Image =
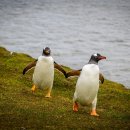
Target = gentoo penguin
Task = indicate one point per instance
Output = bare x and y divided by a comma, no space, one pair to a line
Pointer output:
43,75
88,84
77,73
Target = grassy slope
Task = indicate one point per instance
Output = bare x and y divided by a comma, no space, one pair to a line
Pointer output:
20,109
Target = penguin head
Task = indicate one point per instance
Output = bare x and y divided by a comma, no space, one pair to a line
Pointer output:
95,58
46,51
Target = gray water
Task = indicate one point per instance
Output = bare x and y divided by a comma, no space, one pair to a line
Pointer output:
73,29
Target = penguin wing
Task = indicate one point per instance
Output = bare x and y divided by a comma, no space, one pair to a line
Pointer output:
29,67
74,73
60,68
101,78
77,73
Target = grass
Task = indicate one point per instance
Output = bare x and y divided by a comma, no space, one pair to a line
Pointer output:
22,110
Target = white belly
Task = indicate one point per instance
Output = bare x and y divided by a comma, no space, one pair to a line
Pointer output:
87,85
44,72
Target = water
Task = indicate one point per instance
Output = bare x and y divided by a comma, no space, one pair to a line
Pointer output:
73,29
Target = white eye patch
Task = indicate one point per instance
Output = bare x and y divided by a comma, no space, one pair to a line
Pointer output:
95,54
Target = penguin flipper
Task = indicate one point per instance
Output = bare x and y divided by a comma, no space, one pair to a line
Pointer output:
74,73
77,73
60,68
29,67
101,78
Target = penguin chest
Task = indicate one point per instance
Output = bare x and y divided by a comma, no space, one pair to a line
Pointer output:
88,84
44,73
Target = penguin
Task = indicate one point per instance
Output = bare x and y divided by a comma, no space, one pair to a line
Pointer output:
43,75
87,85
77,73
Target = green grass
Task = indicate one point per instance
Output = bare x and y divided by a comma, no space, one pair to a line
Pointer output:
22,110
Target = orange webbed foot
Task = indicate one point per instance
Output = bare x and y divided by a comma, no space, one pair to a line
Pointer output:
48,95
93,113
33,89
75,107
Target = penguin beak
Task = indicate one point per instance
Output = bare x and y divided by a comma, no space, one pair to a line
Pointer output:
101,57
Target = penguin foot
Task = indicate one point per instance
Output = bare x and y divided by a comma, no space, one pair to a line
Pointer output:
48,95
75,107
33,89
93,113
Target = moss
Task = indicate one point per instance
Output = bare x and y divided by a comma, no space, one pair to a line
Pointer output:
20,109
